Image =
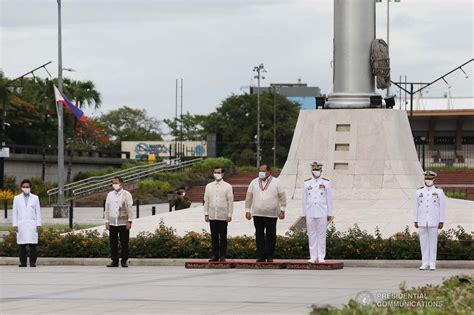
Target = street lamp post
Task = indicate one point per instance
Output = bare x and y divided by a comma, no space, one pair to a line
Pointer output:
423,142
275,90
259,70
388,30
60,115
388,37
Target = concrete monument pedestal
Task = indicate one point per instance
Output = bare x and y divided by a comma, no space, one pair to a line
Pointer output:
368,154
370,157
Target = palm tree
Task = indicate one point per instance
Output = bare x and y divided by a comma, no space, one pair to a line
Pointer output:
81,93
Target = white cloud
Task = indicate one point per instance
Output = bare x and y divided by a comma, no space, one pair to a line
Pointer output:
134,50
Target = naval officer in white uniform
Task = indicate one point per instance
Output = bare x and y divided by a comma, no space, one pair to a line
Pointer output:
317,207
429,211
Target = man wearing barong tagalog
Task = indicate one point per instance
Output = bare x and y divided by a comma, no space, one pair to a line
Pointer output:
317,207
428,216
218,208
266,202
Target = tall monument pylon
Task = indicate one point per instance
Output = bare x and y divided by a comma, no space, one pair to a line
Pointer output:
354,31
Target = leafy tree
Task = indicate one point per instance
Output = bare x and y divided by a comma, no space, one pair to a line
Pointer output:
235,124
29,106
187,127
32,107
31,111
129,124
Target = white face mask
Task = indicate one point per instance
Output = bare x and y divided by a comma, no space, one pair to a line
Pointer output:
26,191
428,182
217,176
316,173
116,186
262,175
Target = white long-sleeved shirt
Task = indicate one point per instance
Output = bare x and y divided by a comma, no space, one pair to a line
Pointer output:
116,201
218,200
429,206
317,198
268,202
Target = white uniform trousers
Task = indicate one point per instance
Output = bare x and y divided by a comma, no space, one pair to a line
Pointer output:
428,243
317,237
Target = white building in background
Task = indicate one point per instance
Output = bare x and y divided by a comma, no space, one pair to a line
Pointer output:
142,150
435,103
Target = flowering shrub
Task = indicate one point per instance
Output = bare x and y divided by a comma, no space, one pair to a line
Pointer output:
453,244
454,296
6,195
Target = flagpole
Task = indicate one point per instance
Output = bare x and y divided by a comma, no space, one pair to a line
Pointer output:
60,115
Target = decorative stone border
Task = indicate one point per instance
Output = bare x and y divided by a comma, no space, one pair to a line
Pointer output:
238,264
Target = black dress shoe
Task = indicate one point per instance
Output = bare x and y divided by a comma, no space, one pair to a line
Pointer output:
32,265
21,265
269,259
213,259
112,264
260,260
125,265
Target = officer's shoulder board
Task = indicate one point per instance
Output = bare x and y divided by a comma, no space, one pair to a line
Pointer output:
420,187
326,179
439,188
307,179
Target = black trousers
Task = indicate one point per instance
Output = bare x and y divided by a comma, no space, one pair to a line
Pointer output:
265,236
33,253
114,233
219,238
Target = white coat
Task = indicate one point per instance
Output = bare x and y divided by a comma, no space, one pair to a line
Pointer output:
429,207
27,217
317,198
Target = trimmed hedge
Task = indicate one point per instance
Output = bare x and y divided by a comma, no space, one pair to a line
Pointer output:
107,170
454,244
456,195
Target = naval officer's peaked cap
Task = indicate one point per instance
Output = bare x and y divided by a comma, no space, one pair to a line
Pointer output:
430,174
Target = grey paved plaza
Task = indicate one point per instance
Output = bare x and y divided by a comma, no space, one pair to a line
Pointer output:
88,215
175,290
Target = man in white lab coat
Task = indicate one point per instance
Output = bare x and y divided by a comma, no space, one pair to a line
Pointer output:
429,211
317,207
27,222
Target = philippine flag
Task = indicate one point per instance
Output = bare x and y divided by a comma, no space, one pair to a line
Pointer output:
62,99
